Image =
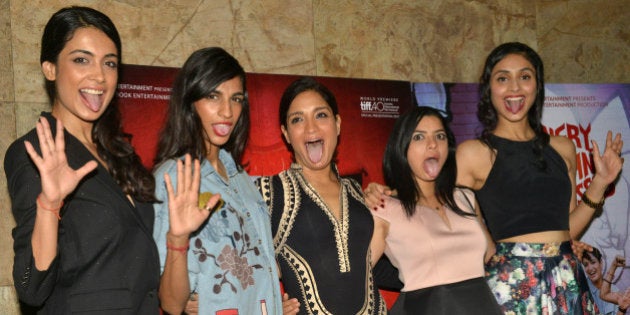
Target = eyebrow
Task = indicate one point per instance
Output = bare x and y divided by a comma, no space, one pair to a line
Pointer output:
520,70
87,52
326,107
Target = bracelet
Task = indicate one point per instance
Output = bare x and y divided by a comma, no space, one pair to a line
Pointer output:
606,280
623,310
587,201
182,249
53,210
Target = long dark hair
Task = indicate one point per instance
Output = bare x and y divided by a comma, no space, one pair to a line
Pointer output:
183,132
398,173
487,114
112,143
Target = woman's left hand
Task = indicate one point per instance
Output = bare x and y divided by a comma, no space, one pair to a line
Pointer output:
608,165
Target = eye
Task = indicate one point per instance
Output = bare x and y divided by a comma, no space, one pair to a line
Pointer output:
417,137
295,120
441,136
238,99
321,115
213,96
526,77
502,79
112,64
80,60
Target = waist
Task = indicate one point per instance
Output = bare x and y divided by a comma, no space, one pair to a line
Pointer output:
539,237
551,249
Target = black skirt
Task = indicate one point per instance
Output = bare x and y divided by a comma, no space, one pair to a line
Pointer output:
469,297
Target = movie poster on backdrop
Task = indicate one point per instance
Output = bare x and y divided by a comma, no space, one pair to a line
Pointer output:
582,112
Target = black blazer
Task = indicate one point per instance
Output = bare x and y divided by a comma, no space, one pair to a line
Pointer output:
106,260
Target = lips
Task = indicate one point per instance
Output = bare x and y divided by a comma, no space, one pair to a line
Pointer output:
93,98
514,104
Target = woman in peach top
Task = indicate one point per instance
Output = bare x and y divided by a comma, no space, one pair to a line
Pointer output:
431,231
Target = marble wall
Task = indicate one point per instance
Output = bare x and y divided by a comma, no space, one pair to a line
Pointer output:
581,41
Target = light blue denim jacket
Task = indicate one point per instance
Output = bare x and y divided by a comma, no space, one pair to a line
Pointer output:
231,262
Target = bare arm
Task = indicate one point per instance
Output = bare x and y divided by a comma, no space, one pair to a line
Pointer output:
605,292
377,244
185,217
607,168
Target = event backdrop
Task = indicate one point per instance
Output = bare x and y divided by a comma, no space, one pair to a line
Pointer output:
368,109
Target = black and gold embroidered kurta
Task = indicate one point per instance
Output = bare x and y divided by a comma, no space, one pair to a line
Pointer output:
325,262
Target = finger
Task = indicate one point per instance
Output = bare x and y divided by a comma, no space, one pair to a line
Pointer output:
60,144
43,144
212,202
180,177
33,154
86,169
169,186
196,180
595,150
187,172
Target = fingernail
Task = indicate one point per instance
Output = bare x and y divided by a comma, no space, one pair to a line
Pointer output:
382,200
375,209
382,205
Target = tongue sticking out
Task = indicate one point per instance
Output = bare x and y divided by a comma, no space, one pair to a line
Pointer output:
431,167
315,151
514,105
221,130
93,101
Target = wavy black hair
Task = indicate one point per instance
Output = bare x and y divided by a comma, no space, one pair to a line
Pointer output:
487,114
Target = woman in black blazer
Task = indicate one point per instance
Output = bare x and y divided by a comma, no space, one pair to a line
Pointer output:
81,198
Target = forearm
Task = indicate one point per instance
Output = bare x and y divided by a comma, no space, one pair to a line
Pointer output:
582,215
174,284
45,231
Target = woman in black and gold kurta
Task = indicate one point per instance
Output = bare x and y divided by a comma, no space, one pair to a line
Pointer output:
321,226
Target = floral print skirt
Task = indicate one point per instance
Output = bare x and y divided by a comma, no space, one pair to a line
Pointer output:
539,278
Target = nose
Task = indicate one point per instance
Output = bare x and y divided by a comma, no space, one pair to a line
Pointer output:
226,110
431,143
514,85
98,73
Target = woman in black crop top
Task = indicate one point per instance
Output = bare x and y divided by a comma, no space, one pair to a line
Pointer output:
525,184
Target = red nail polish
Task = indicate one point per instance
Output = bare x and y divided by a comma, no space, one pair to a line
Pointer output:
375,209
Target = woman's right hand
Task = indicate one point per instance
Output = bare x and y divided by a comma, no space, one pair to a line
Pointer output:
374,195
185,216
58,178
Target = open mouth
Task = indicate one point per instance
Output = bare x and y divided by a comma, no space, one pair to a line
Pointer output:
315,150
93,98
514,104
431,166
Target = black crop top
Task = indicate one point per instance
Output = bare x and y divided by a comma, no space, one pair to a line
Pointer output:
519,198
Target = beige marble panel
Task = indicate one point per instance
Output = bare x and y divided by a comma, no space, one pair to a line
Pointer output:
7,136
265,36
8,301
585,41
27,114
421,40
6,64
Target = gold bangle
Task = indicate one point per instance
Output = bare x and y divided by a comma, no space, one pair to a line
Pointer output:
587,201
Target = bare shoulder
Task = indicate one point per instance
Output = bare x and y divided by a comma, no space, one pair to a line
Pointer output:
474,161
564,146
472,150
